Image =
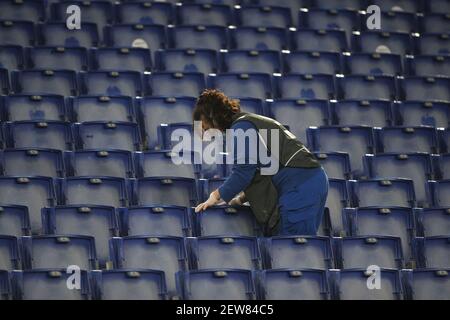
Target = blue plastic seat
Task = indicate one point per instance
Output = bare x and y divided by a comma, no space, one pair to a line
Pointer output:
101,108
199,37
122,59
428,65
99,12
434,252
312,62
360,87
444,139
375,113
243,85
30,10
433,44
5,285
161,164
336,164
204,14
33,107
60,82
32,162
187,60
14,220
152,37
417,113
306,86
11,57
427,284
252,105
57,34
441,192
70,58
10,258
435,23
426,88
266,61
176,84
345,4
374,64
145,12
21,33
433,222
412,6
442,169
294,6
4,81
438,6
112,83
319,40
384,42
264,16
260,38
397,21
407,139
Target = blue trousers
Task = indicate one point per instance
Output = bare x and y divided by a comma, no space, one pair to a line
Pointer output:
302,208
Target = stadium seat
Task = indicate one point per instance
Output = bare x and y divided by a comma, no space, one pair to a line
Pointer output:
32,162
417,113
51,58
312,62
426,88
103,191
433,222
205,14
433,252
11,57
294,6
336,164
60,82
56,251
319,40
161,164
298,115
266,61
259,38
427,284
33,11
217,284
21,33
129,284
441,193
344,4
374,64
145,12
99,12
5,285
438,6
122,59
151,37
189,60
306,86
14,220
397,21
435,23
9,253
383,42
375,113
252,105
152,252
166,191
243,85
433,44
338,199
173,133
264,16
428,65
298,252
199,37
109,135
33,107
414,166
155,220
361,87
4,81
443,167
412,6
390,193
49,284
155,112
101,108
352,285
57,34
444,138
99,222
111,83
293,284
364,251
407,139
177,84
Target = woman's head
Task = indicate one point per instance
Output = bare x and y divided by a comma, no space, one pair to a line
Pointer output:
215,110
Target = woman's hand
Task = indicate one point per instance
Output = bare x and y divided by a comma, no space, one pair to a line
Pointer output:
213,199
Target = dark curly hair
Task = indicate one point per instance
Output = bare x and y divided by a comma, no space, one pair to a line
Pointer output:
216,108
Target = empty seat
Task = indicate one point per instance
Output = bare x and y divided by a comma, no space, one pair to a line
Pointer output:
155,112
21,33
112,83
55,251
30,10
108,135
9,253
161,164
306,86
438,6
204,14
187,60
130,284
441,193
122,59
427,284
390,193
417,113
266,61
166,191
101,108
433,44
227,221
347,20
360,87
298,252
443,167
151,37
375,113
11,57
407,139
298,115
99,12
218,284
374,64
433,222
429,66
414,166
352,285
345,4
4,81
264,16
260,38
252,105
319,40
397,21
57,34
362,252
37,134
384,42
176,84
32,162
33,107
293,284
436,23
312,62
70,58
152,252
107,163
444,139
50,284
434,252
338,199
227,2
145,12
97,221
412,6
356,141
336,164
14,220
104,191
426,89
155,220
60,82
243,85
5,285
199,37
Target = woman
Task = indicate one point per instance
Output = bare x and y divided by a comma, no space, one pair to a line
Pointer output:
289,202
